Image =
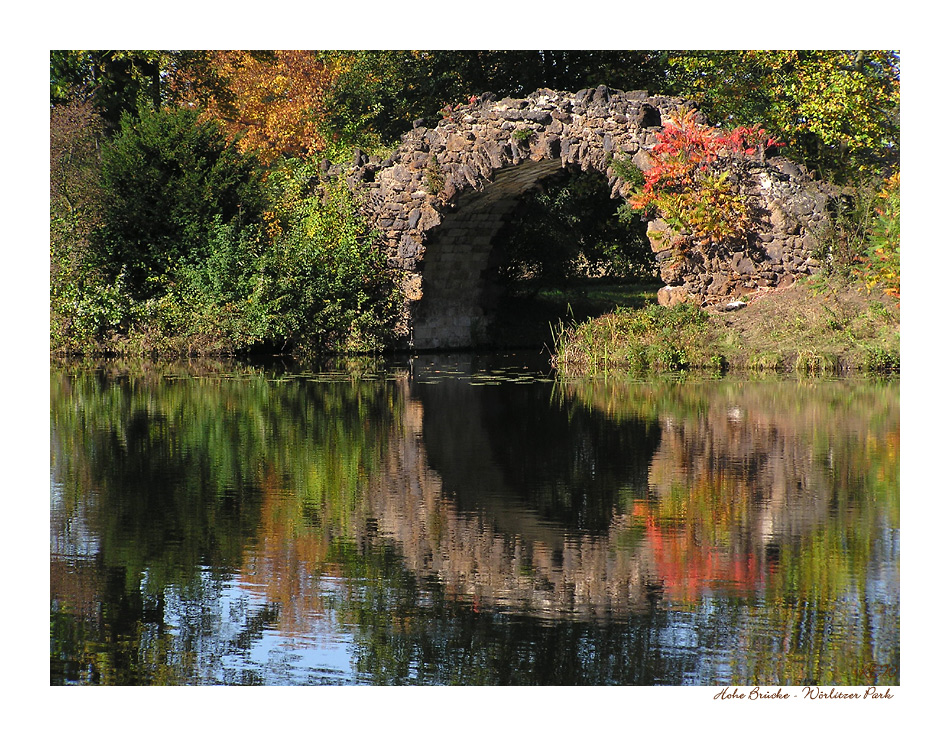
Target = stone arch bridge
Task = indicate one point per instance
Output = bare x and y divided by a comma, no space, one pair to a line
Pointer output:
441,197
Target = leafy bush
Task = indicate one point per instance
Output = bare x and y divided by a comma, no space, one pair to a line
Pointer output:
325,284
87,310
182,257
883,252
214,305
313,282
881,361
862,239
168,181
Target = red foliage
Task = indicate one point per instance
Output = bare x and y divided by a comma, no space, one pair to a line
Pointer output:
685,183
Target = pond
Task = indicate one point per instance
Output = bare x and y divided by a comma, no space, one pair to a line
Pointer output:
470,519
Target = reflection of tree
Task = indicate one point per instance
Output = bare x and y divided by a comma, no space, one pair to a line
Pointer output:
165,471
788,496
749,469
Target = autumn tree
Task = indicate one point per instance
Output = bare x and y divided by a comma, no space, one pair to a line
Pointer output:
270,103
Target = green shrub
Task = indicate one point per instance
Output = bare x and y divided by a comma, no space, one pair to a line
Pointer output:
87,310
863,238
881,361
215,303
325,281
204,269
628,171
169,181
315,283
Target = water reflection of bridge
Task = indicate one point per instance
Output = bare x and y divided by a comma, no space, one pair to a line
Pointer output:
504,557
582,503
708,503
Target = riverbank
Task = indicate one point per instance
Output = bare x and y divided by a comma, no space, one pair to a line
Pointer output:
815,327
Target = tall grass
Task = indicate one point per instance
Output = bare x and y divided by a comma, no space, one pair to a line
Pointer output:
655,337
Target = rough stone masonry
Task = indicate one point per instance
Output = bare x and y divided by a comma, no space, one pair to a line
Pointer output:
441,197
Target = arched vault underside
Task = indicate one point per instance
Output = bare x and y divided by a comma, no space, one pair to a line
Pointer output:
441,197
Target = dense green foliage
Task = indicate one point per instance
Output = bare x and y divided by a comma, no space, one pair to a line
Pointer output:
117,81
170,182
883,252
167,238
838,110
327,284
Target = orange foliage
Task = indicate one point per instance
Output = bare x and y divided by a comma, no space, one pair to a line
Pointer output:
270,103
286,563
689,566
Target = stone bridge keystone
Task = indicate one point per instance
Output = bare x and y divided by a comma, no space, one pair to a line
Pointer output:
441,197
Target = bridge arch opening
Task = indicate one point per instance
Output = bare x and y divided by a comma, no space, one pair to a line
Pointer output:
571,249
508,259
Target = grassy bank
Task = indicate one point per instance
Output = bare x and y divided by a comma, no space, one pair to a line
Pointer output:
812,327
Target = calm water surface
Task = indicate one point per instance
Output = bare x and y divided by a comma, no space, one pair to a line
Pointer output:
470,520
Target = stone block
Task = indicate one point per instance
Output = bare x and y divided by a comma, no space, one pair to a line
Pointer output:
660,235
647,116
670,296
775,252
745,266
543,117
